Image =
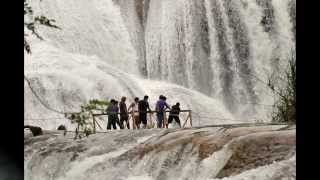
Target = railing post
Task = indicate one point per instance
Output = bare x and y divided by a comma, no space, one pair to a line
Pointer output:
150,119
164,119
94,123
190,112
185,122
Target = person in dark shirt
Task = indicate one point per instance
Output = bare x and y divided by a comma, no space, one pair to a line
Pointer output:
124,113
174,114
143,107
116,110
112,111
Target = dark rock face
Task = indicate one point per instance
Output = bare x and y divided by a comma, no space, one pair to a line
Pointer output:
259,150
62,127
36,131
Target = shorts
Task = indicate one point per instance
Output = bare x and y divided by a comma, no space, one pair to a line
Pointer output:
143,118
123,117
176,118
136,120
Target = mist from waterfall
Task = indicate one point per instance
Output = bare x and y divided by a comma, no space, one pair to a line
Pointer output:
210,55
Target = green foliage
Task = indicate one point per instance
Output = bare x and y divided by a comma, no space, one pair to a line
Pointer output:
32,22
84,118
285,106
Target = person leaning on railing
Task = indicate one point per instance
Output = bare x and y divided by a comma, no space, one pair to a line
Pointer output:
161,106
174,114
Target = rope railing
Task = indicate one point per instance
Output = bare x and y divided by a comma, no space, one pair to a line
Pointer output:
216,125
222,118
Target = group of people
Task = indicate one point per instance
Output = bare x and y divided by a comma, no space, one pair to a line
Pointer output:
139,109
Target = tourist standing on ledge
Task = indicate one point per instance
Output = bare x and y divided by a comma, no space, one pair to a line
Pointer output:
112,111
143,107
124,113
135,113
116,110
161,106
174,114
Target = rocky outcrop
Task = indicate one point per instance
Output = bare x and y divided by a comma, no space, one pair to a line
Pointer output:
259,149
188,154
36,131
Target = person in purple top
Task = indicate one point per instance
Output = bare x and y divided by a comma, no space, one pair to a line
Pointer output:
161,105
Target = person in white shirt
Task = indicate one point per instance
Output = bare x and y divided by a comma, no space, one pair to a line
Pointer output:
135,113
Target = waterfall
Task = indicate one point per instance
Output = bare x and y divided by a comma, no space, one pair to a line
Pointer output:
210,55
220,47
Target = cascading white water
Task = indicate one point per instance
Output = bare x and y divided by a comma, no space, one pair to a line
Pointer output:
219,47
206,54
155,154
209,55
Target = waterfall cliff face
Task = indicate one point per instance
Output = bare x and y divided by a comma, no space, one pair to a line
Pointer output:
207,54
264,153
219,47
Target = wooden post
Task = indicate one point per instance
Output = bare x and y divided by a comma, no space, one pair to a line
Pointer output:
185,122
165,121
150,120
77,132
190,112
94,123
